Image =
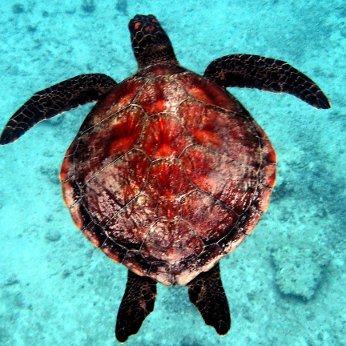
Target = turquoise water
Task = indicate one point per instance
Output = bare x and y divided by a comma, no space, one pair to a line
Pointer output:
285,283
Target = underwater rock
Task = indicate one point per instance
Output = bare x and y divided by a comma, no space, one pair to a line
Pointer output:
88,6
53,236
10,281
283,190
51,173
298,270
121,6
18,8
54,122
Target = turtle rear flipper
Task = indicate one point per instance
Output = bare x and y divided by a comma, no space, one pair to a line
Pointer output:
137,303
254,71
207,293
56,99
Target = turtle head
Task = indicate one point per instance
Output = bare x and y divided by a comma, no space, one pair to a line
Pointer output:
150,43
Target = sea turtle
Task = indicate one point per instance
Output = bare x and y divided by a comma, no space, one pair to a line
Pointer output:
169,172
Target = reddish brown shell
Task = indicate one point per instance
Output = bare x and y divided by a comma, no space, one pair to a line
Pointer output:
167,174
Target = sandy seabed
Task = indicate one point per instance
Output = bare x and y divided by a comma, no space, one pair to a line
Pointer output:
285,284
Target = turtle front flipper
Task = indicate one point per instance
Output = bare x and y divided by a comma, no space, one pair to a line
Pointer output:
56,99
137,303
207,293
254,71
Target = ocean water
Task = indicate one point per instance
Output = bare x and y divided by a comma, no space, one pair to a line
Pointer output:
285,283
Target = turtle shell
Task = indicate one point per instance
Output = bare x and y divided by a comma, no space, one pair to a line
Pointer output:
168,174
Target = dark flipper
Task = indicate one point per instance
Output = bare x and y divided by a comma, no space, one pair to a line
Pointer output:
137,303
207,293
254,71
54,100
